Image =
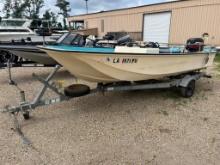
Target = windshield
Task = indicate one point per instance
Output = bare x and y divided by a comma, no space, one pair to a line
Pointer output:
73,39
69,39
62,37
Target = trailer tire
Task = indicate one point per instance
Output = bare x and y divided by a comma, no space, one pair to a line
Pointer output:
189,90
76,90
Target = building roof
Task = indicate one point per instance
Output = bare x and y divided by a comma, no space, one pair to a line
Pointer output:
154,4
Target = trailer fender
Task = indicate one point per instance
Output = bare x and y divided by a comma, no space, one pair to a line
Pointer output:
186,80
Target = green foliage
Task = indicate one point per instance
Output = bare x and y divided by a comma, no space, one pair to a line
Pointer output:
34,24
64,7
217,58
23,8
7,8
51,17
18,8
33,8
59,25
47,15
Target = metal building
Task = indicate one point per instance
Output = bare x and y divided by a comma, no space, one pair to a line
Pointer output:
170,22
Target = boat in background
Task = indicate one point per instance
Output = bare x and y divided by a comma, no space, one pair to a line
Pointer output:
123,63
29,51
18,29
14,32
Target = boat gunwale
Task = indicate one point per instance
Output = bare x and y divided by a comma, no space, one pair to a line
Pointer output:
122,53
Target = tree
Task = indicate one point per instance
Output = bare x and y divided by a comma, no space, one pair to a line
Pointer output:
64,7
53,19
7,8
18,8
47,15
33,8
37,5
59,25
23,8
14,8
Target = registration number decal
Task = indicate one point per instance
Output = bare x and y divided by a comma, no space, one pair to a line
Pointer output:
123,60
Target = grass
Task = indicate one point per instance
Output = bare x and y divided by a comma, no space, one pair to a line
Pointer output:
217,61
217,58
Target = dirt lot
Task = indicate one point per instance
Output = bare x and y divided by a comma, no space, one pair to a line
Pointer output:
141,127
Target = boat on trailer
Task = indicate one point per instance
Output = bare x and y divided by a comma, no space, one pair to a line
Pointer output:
123,63
122,68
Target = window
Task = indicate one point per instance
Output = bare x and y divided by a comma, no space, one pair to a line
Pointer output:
102,26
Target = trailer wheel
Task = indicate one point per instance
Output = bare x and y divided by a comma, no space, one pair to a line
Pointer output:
189,90
76,90
26,115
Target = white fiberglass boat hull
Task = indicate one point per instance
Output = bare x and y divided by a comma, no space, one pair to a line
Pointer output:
113,67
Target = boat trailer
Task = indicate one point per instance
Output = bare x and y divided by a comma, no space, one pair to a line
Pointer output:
186,84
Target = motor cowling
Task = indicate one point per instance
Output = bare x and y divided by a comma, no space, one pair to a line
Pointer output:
195,44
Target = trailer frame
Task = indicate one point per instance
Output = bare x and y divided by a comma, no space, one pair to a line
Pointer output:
180,81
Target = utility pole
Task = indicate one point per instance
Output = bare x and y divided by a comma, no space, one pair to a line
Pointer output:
87,9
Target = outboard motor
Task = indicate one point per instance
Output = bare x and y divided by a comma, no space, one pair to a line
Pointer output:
195,44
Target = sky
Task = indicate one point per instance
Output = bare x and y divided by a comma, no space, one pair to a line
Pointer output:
78,6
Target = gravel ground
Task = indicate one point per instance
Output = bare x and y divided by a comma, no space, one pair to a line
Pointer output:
142,127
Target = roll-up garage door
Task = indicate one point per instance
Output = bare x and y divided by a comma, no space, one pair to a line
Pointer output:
157,27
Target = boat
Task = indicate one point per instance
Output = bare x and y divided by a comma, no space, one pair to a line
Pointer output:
29,50
14,29
15,32
123,63
18,29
